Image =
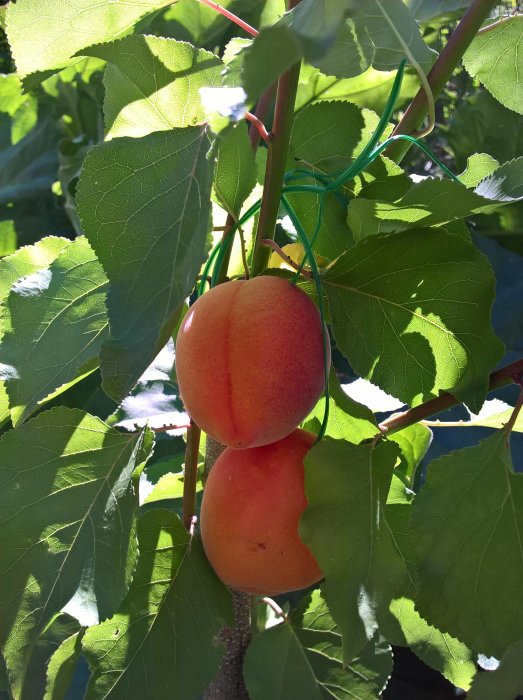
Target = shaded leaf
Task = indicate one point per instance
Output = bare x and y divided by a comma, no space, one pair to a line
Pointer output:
480,124
145,207
153,84
344,525
375,34
366,675
426,10
467,528
494,57
405,290
172,585
506,682
67,524
62,666
291,676
54,324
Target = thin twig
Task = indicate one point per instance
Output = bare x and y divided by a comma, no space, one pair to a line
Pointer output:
230,15
272,244
259,126
274,607
518,379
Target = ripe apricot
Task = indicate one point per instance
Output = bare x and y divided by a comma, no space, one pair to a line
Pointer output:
249,360
251,508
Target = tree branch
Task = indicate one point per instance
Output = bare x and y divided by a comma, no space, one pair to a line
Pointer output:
501,377
440,73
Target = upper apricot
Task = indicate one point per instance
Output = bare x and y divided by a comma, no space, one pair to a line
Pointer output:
249,360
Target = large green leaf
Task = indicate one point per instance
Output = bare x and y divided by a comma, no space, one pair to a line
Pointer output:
412,319
153,84
54,324
67,521
495,59
467,529
45,35
345,527
377,34
163,641
145,208
506,682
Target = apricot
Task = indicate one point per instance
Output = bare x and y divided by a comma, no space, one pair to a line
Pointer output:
251,508
249,360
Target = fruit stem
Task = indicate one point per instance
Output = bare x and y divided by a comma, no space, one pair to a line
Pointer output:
190,475
230,15
441,71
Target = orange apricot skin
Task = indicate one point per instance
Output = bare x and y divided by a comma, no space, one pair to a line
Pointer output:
249,360
251,508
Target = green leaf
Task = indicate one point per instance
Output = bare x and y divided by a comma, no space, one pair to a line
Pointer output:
235,169
145,208
481,124
61,627
440,651
348,419
393,301
479,166
370,89
25,261
433,202
170,620
67,524
305,660
413,441
506,682
45,36
376,35
366,675
495,59
21,108
54,324
290,676
62,667
467,529
345,527
153,84
398,512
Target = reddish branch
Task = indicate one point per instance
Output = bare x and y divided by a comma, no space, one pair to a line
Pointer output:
501,377
230,15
